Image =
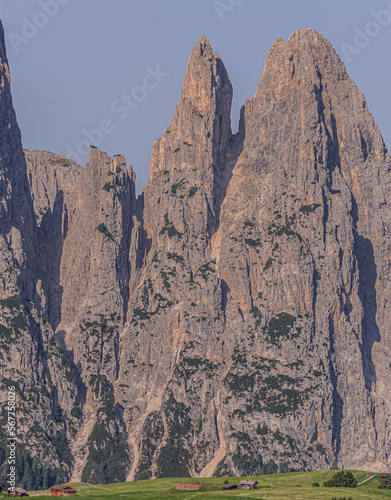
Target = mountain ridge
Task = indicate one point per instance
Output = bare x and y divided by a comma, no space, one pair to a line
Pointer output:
232,319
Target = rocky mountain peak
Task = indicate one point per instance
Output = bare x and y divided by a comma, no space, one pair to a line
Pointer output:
4,68
100,164
16,206
201,120
203,48
307,58
234,319
311,36
206,78
305,83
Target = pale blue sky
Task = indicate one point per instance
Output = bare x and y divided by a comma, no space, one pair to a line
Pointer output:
70,73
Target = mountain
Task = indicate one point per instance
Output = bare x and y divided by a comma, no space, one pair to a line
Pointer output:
25,363
232,319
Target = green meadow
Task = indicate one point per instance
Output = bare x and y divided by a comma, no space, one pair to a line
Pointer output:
294,485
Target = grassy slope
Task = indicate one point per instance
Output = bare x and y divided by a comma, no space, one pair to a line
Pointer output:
295,486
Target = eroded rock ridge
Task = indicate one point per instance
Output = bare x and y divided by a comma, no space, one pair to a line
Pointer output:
233,318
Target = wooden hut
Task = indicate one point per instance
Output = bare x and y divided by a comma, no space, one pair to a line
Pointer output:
69,492
247,484
18,492
63,490
226,487
56,490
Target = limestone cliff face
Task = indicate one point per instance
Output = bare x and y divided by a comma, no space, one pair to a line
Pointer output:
95,272
190,162
307,213
232,319
85,267
53,183
190,169
106,195
262,315
26,361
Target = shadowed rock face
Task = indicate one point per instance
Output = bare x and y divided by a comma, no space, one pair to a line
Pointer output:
25,336
53,183
233,319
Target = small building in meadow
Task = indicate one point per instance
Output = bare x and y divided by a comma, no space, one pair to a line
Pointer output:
56,490
63,490
247,484
18,492
226,487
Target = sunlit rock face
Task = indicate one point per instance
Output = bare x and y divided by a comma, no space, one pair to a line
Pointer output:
233,318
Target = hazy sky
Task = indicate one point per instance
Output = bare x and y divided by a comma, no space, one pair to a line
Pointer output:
75,62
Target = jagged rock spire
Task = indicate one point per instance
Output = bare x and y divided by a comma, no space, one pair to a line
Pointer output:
15,206
96,248
305,83
202,116
308,183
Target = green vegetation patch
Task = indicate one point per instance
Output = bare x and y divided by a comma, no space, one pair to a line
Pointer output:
152,433
248,223
240,383
342,479
103,229
257,315
99,384
108,455
170,229
19,323
32,474
178,185
253,243
292,485
307,209
205,271
280,229
174,456
188,366
385,481
177,258
284,401
280,327
11,303
6,334
107,187
247,458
